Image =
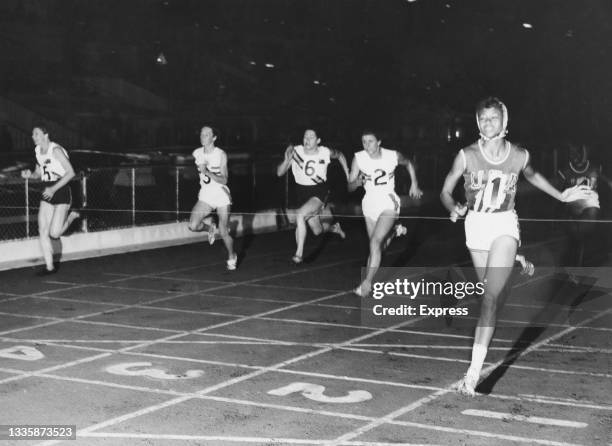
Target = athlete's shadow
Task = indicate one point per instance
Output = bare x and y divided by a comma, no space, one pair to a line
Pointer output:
249,230
563,294
248,234
58,251
423,242
414,239
322,243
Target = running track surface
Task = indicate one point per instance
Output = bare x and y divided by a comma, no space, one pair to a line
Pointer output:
165,347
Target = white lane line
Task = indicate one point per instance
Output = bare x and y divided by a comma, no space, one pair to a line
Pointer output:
306,410
196,395
138,276
584,404
521,397
444,335
405,355
542,324
71,379
30,316
511,323
227,383
147,342
298,410
206,438
586,327
350,416
150,342
206,284
206,294
119,307
423,346
584,349
561,371
485,434
190,294
260,440
118,274
563,309
375,443
78,319
282,364
272,342
415,405
192,280
153,408
57,282
230,382
27,374
553,349
293,287
140,341
523,418
444,358
131,288
69,301
530,395
175,401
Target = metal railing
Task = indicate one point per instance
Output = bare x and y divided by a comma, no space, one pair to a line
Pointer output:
136,195
145,194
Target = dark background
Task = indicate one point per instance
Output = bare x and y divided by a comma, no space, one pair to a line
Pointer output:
412,69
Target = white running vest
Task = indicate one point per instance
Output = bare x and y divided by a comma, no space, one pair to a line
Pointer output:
381,171
213,163
50,167
309,170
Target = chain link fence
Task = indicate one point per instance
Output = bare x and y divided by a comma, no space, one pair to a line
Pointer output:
138,195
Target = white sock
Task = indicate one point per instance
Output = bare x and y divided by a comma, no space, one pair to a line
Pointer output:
479,353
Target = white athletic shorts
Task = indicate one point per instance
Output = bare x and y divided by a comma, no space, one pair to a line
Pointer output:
482,228
373,205
216,197
578,206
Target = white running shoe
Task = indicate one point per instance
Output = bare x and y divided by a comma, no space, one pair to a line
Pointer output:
232,262
362,290
468,384
337,229
528,268
400,230
212,230
72,216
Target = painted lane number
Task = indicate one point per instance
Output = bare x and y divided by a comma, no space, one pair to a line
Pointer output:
145,369
315,392
21,352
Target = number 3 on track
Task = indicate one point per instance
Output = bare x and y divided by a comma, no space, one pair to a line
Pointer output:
315,392
145,369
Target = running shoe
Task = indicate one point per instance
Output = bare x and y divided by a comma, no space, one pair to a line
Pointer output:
468,384
527,268
232,262
212,230
400,230
337,229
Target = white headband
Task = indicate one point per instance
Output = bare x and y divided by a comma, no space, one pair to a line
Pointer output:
504,130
